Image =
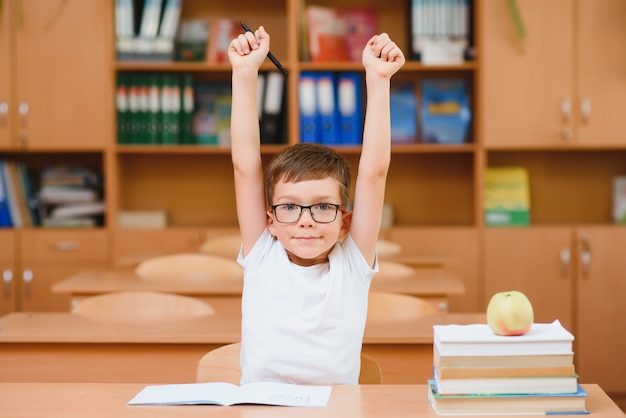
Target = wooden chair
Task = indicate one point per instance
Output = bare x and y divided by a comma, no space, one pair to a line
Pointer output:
222,365
392,270
386,249
226,246
389,307
142,307
189,266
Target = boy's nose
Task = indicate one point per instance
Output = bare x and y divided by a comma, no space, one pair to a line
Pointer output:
306,218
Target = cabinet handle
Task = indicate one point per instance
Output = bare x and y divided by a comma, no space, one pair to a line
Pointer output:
566,110
585,256
66,246
585,109
4,114
7,278
27,278
565,260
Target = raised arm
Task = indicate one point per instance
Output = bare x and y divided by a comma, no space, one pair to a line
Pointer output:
246,53
381,59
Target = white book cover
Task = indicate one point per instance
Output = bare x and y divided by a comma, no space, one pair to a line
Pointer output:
222,393
480,340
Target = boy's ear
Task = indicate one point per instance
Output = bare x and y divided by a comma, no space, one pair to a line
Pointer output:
270,222
346,221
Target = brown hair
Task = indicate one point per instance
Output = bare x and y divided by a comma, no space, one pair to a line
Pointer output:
308,161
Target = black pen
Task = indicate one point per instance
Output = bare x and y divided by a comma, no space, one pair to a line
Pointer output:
269,54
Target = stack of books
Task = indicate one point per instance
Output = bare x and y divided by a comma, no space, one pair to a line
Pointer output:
478,372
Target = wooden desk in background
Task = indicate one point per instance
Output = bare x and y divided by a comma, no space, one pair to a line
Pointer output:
433,285
94,400
63,347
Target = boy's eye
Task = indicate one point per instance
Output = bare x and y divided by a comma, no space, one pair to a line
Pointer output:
322,206
290,206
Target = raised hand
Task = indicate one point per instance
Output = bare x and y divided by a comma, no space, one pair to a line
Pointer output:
249,50
382,56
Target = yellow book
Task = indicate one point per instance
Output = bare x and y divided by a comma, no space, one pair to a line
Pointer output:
507,196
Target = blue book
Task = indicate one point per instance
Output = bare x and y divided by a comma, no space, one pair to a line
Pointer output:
403,104
445,110
327,108
5,215
307,107
350,108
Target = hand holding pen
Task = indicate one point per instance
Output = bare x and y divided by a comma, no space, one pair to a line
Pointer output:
269,53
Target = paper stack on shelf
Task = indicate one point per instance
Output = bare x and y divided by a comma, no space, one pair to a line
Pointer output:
478,372
70,196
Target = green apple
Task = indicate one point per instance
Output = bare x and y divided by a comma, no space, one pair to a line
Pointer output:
510,313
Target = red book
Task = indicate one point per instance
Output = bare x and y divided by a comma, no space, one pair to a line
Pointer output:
327,35
361,25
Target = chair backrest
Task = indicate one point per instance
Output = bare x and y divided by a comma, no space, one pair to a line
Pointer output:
189,266
386,249
391,270
386,307
225,245
222,365
142,307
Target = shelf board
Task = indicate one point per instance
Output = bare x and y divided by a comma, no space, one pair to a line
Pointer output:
273,149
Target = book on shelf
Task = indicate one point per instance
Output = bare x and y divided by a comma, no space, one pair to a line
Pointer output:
77,210
327,34
506,197
506,385
480,340
5,213
445,110
619,199
361,24
521,404
221,33
440,31
525,360
209,114
403,106
221,393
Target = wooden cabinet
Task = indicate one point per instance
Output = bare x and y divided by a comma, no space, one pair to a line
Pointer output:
537,261
566,86
8,269
49,256
600,310
576,275
56,58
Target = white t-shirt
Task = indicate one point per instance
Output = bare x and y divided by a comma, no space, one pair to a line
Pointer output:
303,325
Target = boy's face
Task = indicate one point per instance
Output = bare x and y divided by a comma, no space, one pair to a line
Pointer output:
308,242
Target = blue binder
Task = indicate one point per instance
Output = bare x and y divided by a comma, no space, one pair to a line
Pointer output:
5,215
307,100
350,108
327,108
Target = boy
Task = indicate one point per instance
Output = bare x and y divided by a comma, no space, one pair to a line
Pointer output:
307,261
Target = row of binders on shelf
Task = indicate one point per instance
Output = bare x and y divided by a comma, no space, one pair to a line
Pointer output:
174,109
476,372
331,109
62,196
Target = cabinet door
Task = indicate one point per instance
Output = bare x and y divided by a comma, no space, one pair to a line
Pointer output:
64,83
523,91
7,271
601,332
536,261
601,63
5,81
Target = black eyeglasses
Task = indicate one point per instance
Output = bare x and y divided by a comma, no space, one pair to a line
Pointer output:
323,213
